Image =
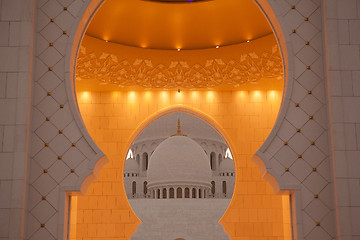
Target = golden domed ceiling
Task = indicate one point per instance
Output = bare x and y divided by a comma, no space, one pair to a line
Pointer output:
174,25
134,44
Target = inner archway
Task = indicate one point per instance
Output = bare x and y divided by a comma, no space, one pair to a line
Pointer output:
177,143
245,111
254,197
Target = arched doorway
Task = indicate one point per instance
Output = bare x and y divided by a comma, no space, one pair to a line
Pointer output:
294,28
248,190
250,95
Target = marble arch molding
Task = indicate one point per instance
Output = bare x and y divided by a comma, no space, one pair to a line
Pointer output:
301,130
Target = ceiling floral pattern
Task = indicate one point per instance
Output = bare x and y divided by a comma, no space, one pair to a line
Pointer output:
246,68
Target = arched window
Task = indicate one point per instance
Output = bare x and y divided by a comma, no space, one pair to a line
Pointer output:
179,192
153,193
130,154
187,193
133,187
145,188
224,187
171,193
193,193
145,161
213,161
228,153
164,193
200,195
158,193
213,187
219,158
138,159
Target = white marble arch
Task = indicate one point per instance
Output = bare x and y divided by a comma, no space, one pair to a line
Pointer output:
296,90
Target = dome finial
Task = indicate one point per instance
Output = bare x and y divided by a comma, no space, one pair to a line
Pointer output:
179,130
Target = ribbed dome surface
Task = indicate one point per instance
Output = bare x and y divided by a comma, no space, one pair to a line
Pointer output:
131,166
179,160
227,166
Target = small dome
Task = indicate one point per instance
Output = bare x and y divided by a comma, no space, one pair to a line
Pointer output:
227,166
131,166
179,160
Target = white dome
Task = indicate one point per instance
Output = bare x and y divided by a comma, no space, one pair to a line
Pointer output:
179,160
193,126
131,166
227,166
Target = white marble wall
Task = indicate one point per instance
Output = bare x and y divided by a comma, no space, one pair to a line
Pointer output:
343,37
15,80
342,33
297,152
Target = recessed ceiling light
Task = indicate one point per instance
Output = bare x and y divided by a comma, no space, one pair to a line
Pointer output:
217,46
177,1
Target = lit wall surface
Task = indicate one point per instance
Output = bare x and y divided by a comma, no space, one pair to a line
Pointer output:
245,116
121,89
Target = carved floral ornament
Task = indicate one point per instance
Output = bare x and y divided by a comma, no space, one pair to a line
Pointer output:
247,68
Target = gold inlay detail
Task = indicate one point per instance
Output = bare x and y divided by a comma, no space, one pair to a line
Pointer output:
247,68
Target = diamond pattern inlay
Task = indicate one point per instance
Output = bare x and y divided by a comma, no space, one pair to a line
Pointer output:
43,211
44,184
300,169
280,156
49,81
317,210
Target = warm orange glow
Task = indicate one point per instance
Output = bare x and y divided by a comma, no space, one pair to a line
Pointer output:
106,39
210,96
73,218
255,212
114,96
194,95
161,61
257,96
85,96
164,97
132,97
241,95
179,96
245,116
272,95
148,95
164,26
286,217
